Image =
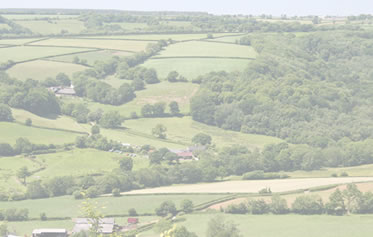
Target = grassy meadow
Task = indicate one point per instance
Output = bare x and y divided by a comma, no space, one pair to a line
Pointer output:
92,57
42,69
191,68
25,53
183,129
155,37
14,131
125,45
18,41
53,26
208,49
145,204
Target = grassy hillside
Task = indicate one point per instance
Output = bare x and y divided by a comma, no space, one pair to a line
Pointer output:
191,68
208,49
183,129
126,45
42,69
24,53
53,26
14,131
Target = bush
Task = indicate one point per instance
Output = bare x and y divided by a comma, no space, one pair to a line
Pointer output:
116,192
166,207
258,175
43,216
78,195
344,174
334,175
132,212
237,209
186,206
259,207
28,122
308,205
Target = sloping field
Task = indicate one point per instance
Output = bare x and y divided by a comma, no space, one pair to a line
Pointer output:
183,129
113,205
126,45
208,49
61,122
4,26
42,69
77,162
8,168
191,68
12,131
228,39
17,41
53,26
36,16
284,225
249,186
358,171
176,37
92,57
24,53
161,92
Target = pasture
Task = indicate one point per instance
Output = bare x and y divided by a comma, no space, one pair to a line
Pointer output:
14,131
92,57
17,41
191,68
77,162
183,129
284,225
356,171
175,37
251,186
207,49
161,92
125,45
60,122
53,27
18,17
42,69
228,39
144,205
25,53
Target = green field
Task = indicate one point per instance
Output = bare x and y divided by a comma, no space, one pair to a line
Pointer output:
24,53
208,49
14,131
161,92
61,122
25,228
54,26
128,26
357,171
284,225
42,69
175,37
191,68
36,16
92,57
9,167
183,129
228,39
17,41
125,45
145,204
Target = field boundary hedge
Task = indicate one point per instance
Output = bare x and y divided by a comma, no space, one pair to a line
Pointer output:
203,57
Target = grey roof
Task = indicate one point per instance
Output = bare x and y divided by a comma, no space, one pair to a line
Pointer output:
66,91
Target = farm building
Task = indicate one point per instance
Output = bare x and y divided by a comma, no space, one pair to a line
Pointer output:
63,91
50,233
106,225
132,221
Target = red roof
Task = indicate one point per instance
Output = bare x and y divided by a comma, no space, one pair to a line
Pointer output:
133,220
185,154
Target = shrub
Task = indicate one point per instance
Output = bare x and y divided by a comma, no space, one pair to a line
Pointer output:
258,175
132,212
116,192
308,205
43,216
186,206
259,207
78,195
237,209
344,174
28,122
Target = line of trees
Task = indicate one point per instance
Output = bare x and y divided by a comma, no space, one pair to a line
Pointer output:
350,200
